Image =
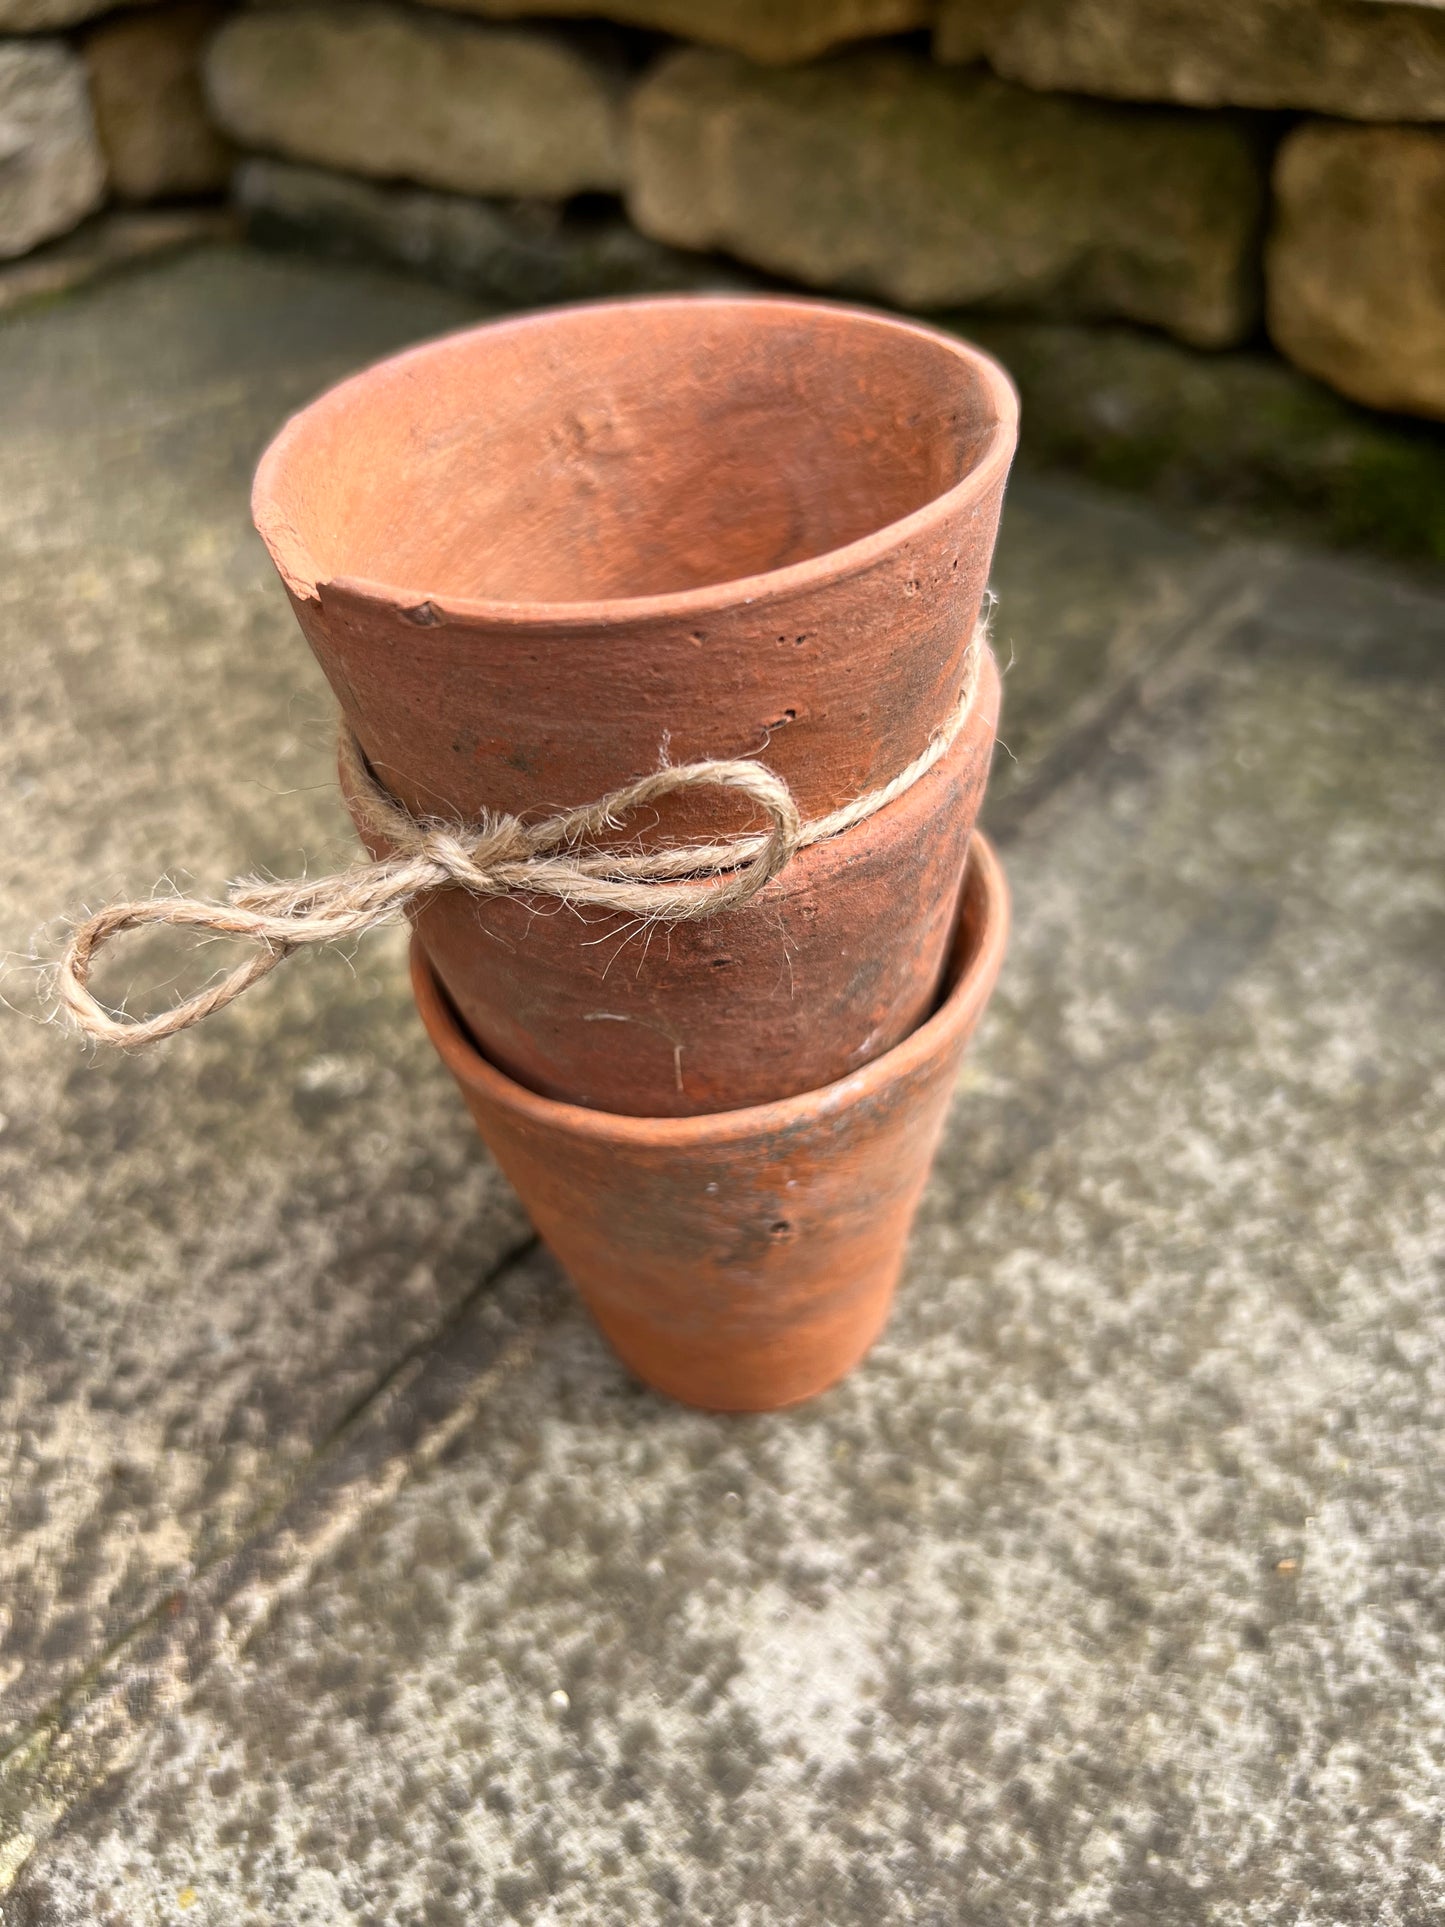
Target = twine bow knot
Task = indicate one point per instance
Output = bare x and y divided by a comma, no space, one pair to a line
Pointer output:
497,855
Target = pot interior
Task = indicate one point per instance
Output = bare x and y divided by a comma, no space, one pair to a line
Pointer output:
625,450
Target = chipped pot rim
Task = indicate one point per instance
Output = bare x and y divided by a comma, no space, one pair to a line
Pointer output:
293,559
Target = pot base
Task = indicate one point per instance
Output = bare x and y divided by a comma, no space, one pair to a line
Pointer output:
745,1260
720,1375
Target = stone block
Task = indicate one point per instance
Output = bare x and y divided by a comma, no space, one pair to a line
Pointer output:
180,1332
51,170
401,93
882,175
1356,263
115,239
1381,62
150,111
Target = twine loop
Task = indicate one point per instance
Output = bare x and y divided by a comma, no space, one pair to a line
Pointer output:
558,856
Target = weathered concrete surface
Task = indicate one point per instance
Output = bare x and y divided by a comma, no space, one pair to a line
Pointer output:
1109,1590
214,1255
150,111
31,16
208,1254
1241,438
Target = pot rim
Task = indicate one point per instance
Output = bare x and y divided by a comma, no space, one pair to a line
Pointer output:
290,554
978,947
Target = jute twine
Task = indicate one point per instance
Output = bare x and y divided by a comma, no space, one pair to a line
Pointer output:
495,856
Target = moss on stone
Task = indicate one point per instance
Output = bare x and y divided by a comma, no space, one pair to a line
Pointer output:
1242,433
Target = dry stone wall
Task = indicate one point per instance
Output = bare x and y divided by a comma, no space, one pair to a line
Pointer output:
1272,170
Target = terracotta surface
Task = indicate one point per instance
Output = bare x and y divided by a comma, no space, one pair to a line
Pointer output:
534,556
744,1261
834,962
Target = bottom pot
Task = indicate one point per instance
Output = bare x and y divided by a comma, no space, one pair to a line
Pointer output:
744,1260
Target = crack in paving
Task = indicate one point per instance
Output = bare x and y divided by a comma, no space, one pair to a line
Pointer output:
95,1726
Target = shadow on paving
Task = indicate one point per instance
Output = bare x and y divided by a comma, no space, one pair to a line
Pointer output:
1108,1589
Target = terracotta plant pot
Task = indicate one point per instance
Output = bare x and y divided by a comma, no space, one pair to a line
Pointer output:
530,554
833,963
536,557
741,1261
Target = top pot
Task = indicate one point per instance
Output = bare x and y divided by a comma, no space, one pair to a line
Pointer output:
537,556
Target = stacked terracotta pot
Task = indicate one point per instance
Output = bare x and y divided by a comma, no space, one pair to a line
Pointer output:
539,557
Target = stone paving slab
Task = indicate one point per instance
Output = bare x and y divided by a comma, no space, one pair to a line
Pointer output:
1109,1590
211,1253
